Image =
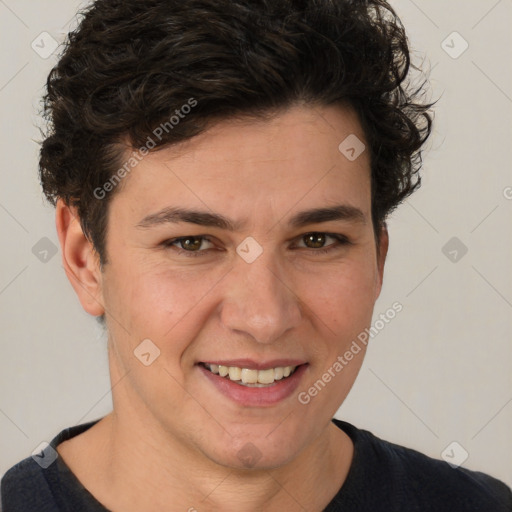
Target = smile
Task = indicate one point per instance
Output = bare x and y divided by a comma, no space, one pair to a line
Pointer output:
251,377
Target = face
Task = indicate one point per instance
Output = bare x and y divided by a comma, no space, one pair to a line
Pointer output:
250,286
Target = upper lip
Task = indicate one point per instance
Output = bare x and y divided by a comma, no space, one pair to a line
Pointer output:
255,365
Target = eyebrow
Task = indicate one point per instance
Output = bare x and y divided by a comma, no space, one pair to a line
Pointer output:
313,216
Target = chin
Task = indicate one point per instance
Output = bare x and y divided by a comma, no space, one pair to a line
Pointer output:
254,452
250,457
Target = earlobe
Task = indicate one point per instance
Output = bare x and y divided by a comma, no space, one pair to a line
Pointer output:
79,259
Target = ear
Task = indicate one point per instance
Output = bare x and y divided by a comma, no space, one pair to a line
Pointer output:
382,251
79,259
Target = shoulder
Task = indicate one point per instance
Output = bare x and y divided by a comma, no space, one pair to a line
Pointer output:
34,484
415,481
435,480
25,487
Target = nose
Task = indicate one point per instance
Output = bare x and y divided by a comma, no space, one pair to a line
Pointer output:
259,301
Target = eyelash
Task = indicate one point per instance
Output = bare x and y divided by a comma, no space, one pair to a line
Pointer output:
341,240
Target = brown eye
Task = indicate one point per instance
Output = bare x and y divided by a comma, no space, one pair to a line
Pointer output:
189,245
192,242
317,240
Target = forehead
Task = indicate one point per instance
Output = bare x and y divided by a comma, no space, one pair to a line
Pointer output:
248,166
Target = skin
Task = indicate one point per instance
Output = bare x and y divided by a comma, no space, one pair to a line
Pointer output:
172,437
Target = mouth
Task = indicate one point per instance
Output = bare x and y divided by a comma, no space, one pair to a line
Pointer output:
249,377
253,384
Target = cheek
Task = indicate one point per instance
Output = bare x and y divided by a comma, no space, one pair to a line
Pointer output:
344,298
161,304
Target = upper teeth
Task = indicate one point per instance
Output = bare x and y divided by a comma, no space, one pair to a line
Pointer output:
248,376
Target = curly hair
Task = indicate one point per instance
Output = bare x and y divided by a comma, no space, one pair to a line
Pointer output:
131,64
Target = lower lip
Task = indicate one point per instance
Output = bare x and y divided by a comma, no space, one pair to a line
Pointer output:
256,397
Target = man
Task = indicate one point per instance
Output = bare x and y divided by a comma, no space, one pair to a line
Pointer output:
222,173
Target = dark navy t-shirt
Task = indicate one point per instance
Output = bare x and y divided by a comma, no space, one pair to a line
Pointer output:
383,477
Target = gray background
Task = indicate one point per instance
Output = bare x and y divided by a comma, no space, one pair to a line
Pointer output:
439,372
